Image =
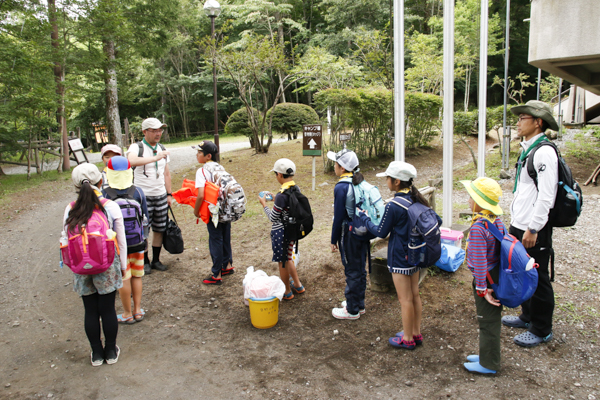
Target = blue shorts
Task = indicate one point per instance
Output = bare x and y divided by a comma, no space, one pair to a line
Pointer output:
282,250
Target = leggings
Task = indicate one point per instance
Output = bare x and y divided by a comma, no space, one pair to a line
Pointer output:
101,306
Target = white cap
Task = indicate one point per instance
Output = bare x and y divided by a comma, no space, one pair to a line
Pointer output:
284,166
152,123
346,158
400,170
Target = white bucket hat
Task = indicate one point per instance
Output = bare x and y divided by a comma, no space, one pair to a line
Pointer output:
399,170
346,158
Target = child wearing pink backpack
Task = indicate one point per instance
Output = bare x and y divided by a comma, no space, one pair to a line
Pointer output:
93,234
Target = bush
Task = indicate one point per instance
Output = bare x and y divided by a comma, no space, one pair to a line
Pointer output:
466,123
422,117
495,117
237,124
288,118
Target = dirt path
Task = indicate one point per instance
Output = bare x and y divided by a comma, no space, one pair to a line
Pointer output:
197,341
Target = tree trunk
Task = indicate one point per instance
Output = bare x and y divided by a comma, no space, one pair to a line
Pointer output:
59,78
113,120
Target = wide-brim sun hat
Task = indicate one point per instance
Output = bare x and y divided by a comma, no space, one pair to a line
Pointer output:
486,192
346,158
399,170
85,172
119,173
537,109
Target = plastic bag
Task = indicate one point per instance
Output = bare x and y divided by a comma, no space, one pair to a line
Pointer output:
451,259
296,256
258,285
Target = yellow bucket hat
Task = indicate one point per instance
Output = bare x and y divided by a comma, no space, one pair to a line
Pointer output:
486,193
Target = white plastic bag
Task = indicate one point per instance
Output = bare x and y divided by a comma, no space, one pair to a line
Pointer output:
257,284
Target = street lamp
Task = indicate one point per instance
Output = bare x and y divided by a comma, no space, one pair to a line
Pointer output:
212,8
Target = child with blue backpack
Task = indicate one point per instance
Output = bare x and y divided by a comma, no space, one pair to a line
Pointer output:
395,222
353,251
132,202
483,257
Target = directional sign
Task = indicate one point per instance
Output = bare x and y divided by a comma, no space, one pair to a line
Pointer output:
344,137
312,139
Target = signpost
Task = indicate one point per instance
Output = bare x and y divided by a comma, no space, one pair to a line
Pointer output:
78,151
312,140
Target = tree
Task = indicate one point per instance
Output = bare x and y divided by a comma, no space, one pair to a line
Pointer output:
289,118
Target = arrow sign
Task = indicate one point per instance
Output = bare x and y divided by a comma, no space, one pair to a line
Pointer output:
312,144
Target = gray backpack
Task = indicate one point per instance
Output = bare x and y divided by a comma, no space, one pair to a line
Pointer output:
231,201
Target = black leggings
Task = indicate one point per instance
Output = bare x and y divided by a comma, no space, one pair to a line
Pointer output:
101,306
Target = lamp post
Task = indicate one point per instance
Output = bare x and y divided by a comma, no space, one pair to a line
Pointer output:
212,8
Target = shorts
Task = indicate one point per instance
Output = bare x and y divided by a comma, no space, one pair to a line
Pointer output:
157,212
282,250
135,265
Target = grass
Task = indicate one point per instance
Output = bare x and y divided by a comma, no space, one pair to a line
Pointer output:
10,184
194,141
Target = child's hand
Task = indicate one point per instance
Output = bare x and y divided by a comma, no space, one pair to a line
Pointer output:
490,299
334,248
262,200
360,211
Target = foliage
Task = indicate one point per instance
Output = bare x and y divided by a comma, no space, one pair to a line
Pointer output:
516,87
549,89
466,123
422,118
238,124
426,73
288,118
323,70
583,148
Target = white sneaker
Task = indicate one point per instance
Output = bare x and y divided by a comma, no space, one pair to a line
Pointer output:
341,313
361,312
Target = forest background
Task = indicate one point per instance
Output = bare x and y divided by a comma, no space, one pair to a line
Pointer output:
66,64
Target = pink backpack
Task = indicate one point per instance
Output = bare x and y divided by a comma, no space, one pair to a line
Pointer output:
90,251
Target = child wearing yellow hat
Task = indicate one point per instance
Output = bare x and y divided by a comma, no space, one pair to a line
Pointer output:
483,257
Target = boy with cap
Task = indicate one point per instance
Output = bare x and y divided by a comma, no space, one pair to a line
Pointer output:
108,151
530,209
283,250
150,160
219,236
483,256
120,176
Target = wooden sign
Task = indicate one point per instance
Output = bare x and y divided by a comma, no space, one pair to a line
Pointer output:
344,137
312,140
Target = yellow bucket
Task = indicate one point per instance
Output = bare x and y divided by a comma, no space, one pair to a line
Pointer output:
264,313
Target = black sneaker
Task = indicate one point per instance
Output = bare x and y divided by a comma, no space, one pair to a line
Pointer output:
159,266
97,359
211,280
147,269
112,356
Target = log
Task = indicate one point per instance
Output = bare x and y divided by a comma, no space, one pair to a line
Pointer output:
594,174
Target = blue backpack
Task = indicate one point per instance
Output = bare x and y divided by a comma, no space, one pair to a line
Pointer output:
424,245
368,198
516,283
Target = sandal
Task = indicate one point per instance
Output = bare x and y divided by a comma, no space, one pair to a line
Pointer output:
288,296
139,316
398,342
417,338
123,320
298,290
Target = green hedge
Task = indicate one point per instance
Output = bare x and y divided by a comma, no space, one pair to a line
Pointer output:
288,118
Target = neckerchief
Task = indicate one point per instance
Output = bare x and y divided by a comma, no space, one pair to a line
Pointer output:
155,151
523,156
345,175
287,185
403,191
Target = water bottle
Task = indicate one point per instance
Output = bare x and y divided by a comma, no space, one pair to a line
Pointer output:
416,249
146,227
267,196
64,241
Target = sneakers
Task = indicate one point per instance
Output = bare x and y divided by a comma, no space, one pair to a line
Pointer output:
112,356
158,266
361,312
97,359
341,313
401,343
514,322
147,269
417,338
227,271
528,339
211,280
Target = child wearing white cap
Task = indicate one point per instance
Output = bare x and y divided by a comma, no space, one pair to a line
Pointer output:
395,222
284,169
352,250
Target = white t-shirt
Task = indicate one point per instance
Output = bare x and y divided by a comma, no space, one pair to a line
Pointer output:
202,175
151,183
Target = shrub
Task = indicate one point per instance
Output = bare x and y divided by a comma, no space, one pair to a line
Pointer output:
238,124
422,117
288,118
466,123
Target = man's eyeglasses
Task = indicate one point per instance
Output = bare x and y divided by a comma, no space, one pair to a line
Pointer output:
155,130
522,118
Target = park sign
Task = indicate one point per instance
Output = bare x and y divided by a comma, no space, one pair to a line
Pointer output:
312,139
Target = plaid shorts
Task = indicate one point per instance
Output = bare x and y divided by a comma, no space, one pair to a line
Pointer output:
157,212
282,250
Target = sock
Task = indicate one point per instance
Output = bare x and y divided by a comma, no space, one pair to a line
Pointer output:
98,350
146,259
156,253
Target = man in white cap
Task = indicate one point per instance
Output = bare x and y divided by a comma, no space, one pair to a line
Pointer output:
532,202
153,177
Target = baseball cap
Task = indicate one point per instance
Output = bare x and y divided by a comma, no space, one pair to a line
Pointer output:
284,166
207,147
399,170
152,123
119,173
111,147
346,158
85,172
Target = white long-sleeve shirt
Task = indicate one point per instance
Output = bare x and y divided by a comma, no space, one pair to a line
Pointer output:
530,206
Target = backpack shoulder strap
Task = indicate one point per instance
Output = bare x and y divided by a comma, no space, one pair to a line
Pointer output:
140,149
492,229
112,193
163,148
530,167
407,203
131,192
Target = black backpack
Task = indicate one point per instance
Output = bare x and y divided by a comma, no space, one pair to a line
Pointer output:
569,198
300,219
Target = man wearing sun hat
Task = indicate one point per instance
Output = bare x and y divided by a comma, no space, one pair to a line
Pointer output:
483,257
150,160
120,178
530,209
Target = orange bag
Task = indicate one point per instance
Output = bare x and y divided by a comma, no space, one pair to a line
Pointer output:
211,195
